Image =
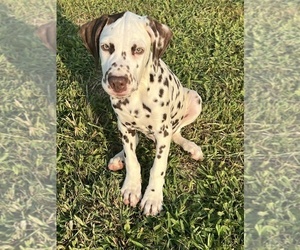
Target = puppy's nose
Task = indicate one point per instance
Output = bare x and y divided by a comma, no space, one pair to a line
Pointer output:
118,83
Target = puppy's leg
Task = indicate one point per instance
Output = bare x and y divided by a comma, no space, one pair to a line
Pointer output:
153,197
118,161
131,189
188,146
193,109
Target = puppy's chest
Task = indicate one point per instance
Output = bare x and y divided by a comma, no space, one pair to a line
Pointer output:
137,114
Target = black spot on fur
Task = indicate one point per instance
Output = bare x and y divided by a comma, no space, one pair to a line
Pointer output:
159,78
162,173
152,190
146,108
151,78
161,149
178,105
150,127
166,133
132,132
164,117
161,92
124,55
173,116
175,123
119,104
166,82
125,138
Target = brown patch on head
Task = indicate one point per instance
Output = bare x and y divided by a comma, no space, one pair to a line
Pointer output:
160,37
90,33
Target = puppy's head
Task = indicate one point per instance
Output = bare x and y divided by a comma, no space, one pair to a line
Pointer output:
123,42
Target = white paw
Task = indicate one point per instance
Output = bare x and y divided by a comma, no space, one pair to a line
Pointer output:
131,192
152,202
194,150
116,163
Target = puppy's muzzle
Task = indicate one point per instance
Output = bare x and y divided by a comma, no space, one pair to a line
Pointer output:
118,83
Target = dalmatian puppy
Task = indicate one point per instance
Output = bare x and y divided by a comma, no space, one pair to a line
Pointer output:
145,95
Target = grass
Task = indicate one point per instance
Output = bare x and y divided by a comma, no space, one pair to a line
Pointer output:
27,129
203,202
272,109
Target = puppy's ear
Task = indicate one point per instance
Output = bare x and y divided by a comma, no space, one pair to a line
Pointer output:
90,33
47,34
160,35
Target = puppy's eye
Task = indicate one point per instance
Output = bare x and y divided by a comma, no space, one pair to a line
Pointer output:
139,51
105,47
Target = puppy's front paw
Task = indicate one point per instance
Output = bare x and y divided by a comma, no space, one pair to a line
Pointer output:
117,162
131,192
152,202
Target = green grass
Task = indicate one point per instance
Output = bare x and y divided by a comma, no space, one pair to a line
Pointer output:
272,151
27,128
203,201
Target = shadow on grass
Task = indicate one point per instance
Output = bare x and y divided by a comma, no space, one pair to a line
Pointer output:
82,69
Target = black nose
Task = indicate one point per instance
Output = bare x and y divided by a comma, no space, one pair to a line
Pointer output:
118,83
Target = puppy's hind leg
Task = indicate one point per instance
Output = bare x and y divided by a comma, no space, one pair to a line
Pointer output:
193,109
188,146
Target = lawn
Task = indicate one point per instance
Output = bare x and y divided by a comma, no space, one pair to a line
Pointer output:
203,201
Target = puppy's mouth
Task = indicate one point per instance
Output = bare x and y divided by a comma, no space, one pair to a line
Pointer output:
120,95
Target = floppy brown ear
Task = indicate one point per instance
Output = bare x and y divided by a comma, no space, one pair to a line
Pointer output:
160,36
90,33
